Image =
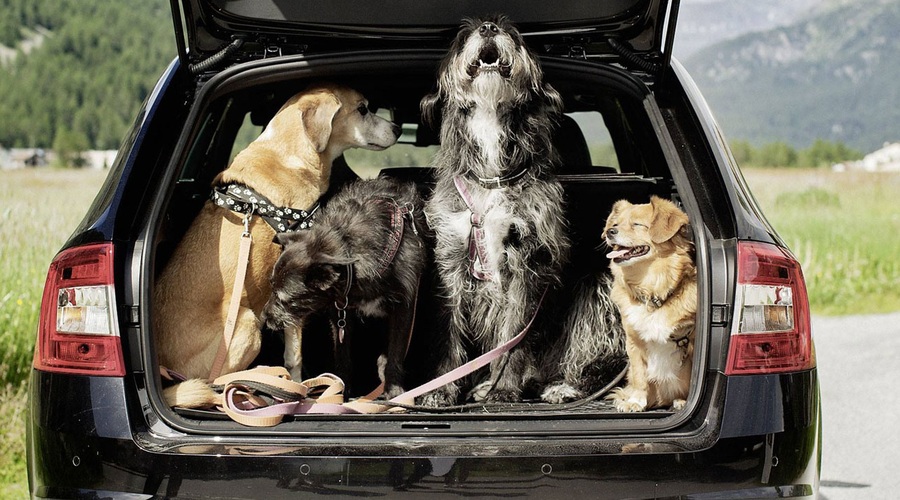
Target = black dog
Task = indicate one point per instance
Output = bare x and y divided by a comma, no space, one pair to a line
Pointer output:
496,209
364,256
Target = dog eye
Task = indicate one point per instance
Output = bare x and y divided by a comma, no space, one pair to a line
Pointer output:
638,224
363,109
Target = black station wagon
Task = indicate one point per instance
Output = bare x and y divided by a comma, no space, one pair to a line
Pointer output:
635,126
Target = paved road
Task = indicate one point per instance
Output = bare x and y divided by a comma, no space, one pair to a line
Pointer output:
859,370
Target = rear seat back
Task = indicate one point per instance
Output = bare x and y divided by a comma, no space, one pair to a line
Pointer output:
589,199
590,192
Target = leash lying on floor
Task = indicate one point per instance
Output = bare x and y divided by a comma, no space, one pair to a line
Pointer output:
243,402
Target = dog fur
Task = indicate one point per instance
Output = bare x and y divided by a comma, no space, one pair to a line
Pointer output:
498,116
290,164
352,240
590,352
655,290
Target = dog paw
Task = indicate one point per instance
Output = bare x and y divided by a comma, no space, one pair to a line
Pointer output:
503,396
630,407
480,392
678,404
436,399
391,391
560,392
628,401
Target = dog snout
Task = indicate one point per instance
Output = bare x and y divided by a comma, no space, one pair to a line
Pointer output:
488,30
612,232
396,130
267,318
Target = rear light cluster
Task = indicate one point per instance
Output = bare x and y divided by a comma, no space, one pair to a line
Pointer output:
772,331
77,331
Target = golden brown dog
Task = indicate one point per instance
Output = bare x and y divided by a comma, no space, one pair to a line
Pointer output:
290,165
655,290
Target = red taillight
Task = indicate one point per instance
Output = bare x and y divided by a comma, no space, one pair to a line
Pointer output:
77,331
772,329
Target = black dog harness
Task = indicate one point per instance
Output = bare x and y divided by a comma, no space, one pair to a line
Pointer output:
244,200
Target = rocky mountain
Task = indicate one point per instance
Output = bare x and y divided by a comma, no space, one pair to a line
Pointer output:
832,75
702,23
772,70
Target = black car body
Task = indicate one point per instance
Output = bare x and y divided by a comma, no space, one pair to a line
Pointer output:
97,426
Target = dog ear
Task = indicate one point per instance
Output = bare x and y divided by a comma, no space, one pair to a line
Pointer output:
552,98
668,220
284,239
427,107
317,114
326,271
322,276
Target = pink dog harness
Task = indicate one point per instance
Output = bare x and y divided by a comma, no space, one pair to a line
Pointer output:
479,266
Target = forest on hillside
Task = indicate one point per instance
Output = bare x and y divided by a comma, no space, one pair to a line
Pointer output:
73,74
96,62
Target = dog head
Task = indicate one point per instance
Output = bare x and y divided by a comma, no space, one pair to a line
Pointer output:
333,118
309,275
489,64
639,233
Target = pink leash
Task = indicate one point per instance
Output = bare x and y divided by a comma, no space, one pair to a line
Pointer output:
250,410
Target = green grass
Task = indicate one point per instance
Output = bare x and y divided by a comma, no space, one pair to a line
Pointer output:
844,228
39,210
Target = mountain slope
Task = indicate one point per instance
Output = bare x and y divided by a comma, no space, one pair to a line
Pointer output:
702,23
833,76
82,86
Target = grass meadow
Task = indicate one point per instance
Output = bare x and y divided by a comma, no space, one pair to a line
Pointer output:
38,211
844,228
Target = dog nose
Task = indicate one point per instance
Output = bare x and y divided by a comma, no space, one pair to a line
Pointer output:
488,30
396,130
612,231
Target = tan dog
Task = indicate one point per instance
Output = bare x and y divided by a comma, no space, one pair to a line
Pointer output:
290,165
655,290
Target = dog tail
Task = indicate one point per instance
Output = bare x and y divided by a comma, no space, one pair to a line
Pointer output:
193,393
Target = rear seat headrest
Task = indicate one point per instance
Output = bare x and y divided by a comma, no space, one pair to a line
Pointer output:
571,145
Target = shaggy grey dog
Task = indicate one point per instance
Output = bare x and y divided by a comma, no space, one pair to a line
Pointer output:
496,209
364,256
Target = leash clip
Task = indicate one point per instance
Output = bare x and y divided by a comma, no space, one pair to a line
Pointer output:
341,324
342,308
409,210
247,218
342,319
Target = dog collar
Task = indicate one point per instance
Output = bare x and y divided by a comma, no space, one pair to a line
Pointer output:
502,181
244,200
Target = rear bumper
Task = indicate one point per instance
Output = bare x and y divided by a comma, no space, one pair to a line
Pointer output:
82,441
